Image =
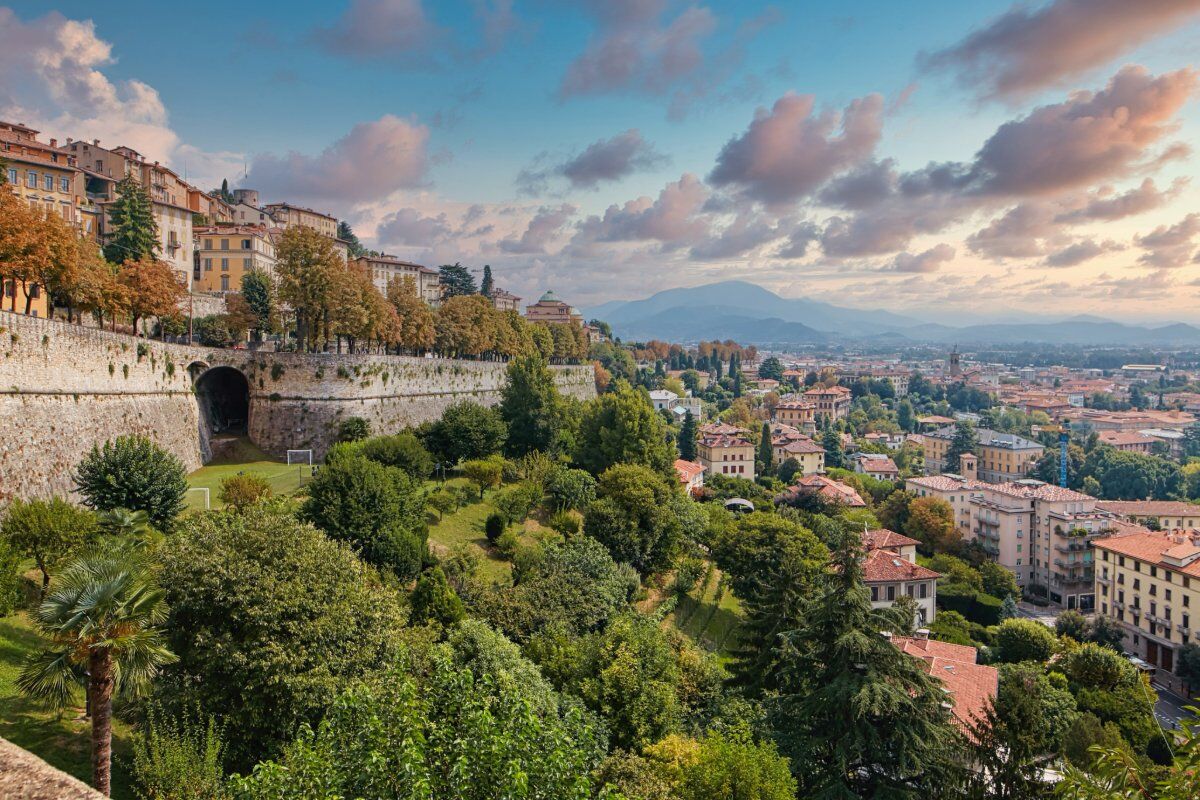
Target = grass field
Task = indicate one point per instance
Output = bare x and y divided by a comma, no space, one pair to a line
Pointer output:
709,615
244,457
61,739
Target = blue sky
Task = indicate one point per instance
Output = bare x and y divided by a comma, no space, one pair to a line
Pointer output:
454,101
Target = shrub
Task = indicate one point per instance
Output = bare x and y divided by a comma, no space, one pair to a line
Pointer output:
485,473
178,758
133,472
403,451
1024,640
48,531
493,526
246,489
434,601
516,502
687,575
566,523
353,429
570,488
508,543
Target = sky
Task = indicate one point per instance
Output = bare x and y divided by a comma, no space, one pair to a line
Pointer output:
956,161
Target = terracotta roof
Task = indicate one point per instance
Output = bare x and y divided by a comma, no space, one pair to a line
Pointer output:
872,463
882,566
1151,546
1117,438
830,490
721,427
1041,491
795,405
723,440
688,469
831,390
799,446
1149,508
946,483
882,539
971,686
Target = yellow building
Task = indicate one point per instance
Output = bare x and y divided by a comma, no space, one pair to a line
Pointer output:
832,402
287,215
1164,514
731,455
1002,456
549,308
505,301
384,269
226,253
797,413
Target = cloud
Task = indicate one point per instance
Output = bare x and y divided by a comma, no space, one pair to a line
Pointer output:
1170,246
409,226
604,160
788,153
370,162
748,231
1028,49
1080,252
928,261
391,29
635,48
1017,233
803,235
1108,208
862,187
671,219
541,230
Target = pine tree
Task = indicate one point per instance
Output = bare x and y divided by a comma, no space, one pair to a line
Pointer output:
835,456
717,367
687,437
766,453
347,234
737,381
858,715
134,231
487,285
1008,609
456,279
965,441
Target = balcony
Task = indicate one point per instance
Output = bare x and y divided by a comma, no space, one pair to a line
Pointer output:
1119,605
1071,546
1183,629
1166,623
991,549
1103,581
1135,610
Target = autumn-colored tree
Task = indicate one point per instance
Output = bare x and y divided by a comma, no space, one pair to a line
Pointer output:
466,326
24,244
308,266
931,521
415,316
152,289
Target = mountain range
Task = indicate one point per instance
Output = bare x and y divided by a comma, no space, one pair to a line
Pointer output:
750,314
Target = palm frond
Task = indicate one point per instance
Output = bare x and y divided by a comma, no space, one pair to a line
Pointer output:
50,675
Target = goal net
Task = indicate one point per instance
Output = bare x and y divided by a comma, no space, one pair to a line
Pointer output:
299,457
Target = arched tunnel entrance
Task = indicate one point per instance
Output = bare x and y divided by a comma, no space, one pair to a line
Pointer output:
223,394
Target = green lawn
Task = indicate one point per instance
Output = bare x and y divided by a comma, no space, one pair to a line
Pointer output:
244,457
710,615
63,740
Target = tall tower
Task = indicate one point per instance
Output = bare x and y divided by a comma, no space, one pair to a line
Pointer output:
955,366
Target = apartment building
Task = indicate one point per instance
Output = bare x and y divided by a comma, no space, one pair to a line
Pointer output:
1127,441
833,403
954,489
797,413
678,407
385,269
789,443
898,378
287,215
1149,581
225,254
505,301
1162,514
1001,456
726,454
549,308
891,571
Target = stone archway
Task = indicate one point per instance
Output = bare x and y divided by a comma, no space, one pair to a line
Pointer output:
223,397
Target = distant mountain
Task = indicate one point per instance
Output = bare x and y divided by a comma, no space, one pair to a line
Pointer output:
750,314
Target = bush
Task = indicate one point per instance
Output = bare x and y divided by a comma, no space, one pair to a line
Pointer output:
353,429
687,575
570,488
1024,640
402,451
515,502
246,489
566,523
494,526
133,472
508,543
977,607
10,578
178,757
434,601
48,531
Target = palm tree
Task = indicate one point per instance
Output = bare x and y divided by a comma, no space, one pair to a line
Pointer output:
102,617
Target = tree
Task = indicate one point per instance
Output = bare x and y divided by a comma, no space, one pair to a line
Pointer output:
771,368
102,617
417,331
1072,624
999,581
151,288
273,648
894,734
435,732
965,441
378,510
570,488
487,285
1023,640
48,531
485,473
530,406
309,271
766,452
403,451
465,431
240,491
931,522
723,765
1106,632
259,293
347,234
1008,608
133,472
456,280
133,233
689,431
893,511
622,427
835,456
353,429
179,757
434,601
636,517
906,417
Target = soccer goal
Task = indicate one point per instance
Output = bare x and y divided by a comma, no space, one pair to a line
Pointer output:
207,496
299,457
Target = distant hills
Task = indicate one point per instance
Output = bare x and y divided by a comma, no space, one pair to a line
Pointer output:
750,314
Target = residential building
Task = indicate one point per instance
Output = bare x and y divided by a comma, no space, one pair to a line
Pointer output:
505,301
1002,456
789,443
833,403
730,454
954,489
1087,419
246,214
890,571
225,254
1149,581
828,489
797,413
550,309
287,215
971,687
214,209
1127,441
691,475
666,400
385,269
876,465
1162,514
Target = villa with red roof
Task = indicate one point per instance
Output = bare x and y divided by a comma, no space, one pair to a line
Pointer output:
691,475
890,572
829,489
970,686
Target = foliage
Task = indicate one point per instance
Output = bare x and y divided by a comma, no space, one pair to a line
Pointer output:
1072,624
151,288
893,511
636,517
687,575
622,427
688,433
1106,631
485,473
494,526
788,470
1023,640
570,488
1086,732
999,581
723,765
378,510
965,441
1098,667
179,758
434,601
239,491
259,294
442,733
835,456
275,646
133,472
353,429
531,407
133,231
565,522
402,451
48,531
465,431
515,502
931,522
456,280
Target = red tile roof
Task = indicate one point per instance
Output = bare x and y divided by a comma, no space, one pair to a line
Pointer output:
882,566
945,483
1151,547
799,446
830,490
1149,508
883,539
971,686
688,470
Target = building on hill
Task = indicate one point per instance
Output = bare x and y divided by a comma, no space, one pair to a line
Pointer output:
890,571
1127,441
1154,513
833,403
828,489
1001,456
876,465
1149,581
383,269
691,475
505,301
954,489
225,254
287,215
970,686
666,400
729,454
550,309
797,413
789,443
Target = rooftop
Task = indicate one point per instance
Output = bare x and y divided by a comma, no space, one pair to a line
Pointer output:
883,539
990,438
1149,508
1175,550
971,686
882,566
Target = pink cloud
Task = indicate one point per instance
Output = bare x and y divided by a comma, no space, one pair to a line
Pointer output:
1170,246
930,260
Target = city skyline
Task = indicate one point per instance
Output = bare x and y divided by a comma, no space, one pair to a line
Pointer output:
957,159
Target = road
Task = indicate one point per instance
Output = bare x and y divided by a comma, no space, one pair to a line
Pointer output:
1169,708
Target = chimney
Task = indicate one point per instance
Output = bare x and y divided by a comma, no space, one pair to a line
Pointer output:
921,638
95,142
69,140
54,142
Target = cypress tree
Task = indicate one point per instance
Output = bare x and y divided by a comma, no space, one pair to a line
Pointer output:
835,456
135,233
766,453
964,441
487,285
687,438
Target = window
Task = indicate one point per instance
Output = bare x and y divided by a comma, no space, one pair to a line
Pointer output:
246,244
891,593
246,262
208,244
224,244
874,594
912,590
48,183
924,592
30,180
208,265
13,175
224,283
224,265
64,184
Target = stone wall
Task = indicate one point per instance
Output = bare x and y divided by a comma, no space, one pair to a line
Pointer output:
64,388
